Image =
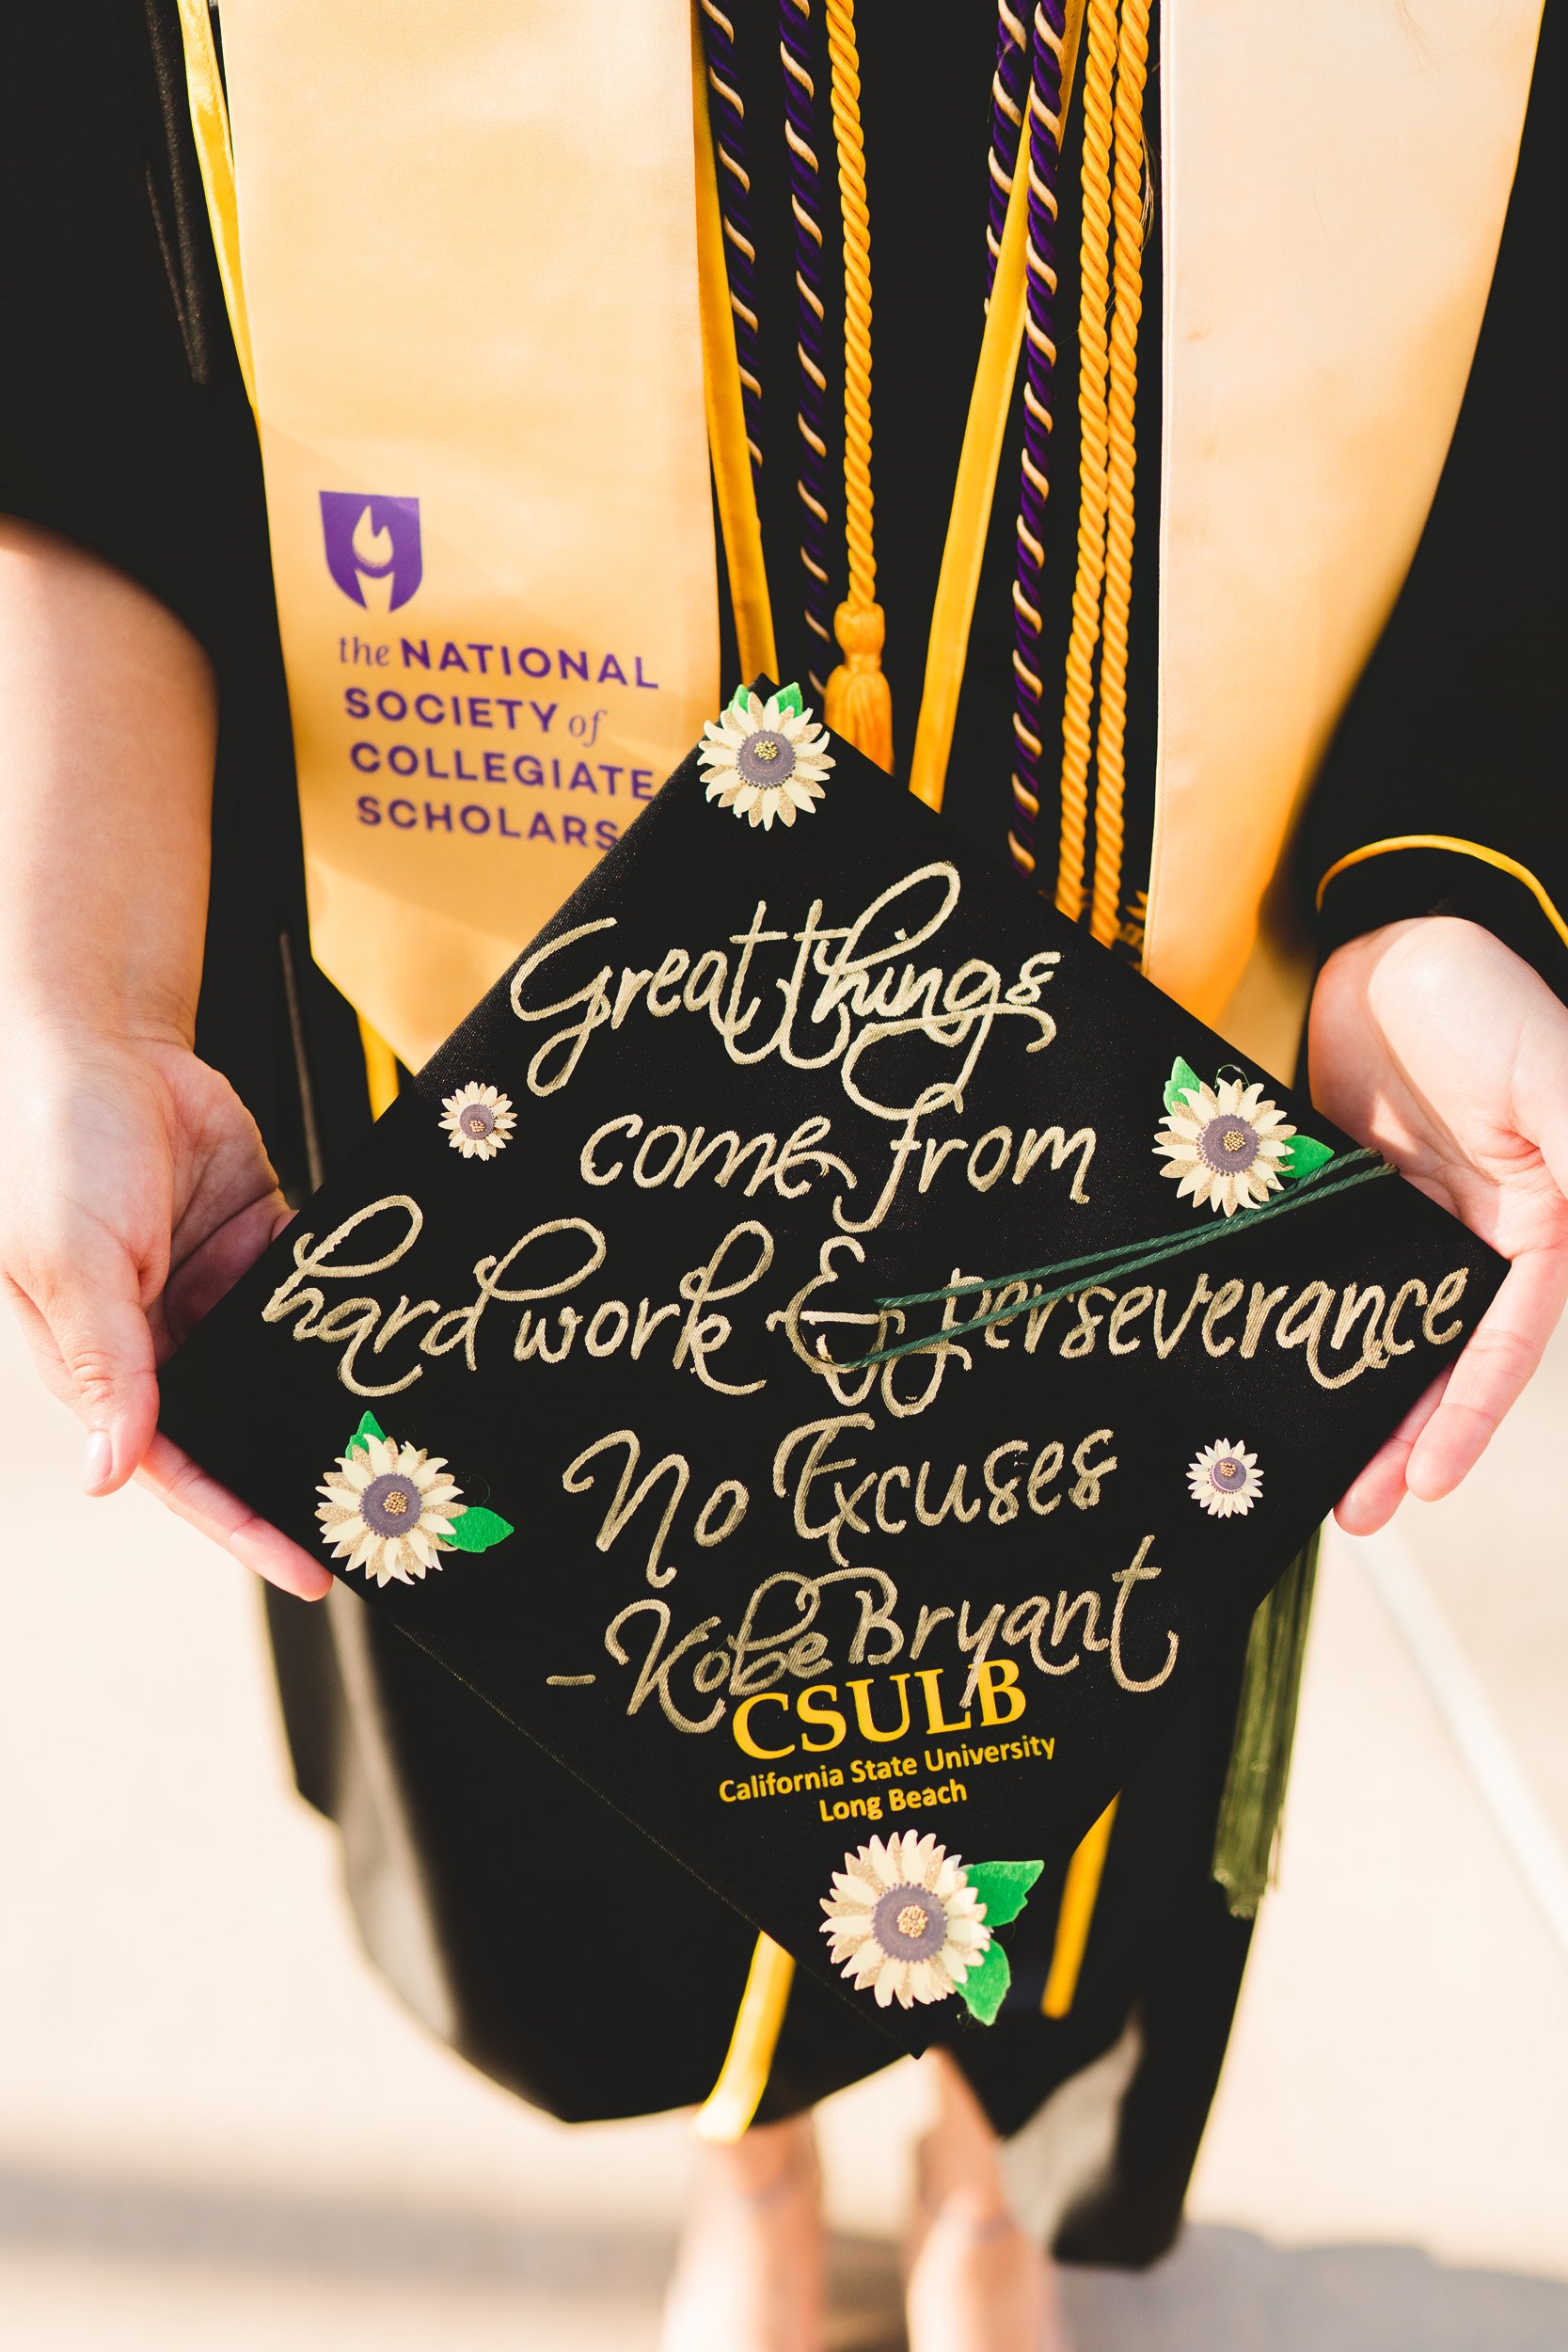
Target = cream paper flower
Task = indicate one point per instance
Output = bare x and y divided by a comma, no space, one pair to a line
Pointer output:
1225,1144
479,1120
904,1921
390,1510
1225,1479
765,759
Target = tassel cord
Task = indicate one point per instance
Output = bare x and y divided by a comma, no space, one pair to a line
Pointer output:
858,702
1120,1267
1330,1174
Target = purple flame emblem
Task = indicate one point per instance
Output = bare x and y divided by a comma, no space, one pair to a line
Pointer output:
372,538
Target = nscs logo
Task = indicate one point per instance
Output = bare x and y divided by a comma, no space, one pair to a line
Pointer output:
374,539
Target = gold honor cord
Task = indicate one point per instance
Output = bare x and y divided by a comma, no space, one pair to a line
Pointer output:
858,702
975,489
1127,286
1094,439
968,519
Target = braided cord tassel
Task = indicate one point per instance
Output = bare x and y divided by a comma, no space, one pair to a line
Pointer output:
858,702
1132,73
805,204
1009,85
1044,155
1094,361
727,112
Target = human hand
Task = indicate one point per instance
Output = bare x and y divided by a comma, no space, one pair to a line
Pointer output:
1437,1044
133,1191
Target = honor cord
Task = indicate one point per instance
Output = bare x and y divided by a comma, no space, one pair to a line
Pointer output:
1127,282
1008,91
1041,160
810,350
969,518
1094,443
858,704
727,114
734,489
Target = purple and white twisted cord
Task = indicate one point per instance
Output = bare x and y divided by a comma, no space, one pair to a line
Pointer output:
1008,92
805,203
1039,345
727,113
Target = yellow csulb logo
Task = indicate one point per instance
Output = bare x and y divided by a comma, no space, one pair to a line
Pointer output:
993,1682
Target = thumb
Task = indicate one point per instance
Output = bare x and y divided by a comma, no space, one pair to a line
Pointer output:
92,1343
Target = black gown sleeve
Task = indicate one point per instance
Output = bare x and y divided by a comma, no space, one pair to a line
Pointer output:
1444,791
124,424
122,418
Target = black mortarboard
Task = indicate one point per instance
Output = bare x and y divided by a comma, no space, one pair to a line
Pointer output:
583,1366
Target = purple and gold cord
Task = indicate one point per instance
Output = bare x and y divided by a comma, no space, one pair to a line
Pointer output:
805,204
1008,91
1045,157
727,113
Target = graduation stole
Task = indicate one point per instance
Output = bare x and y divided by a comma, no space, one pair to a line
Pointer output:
467,246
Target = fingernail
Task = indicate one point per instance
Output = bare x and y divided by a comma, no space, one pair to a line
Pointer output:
100,1462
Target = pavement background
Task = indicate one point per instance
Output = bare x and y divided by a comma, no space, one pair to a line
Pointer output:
219,2133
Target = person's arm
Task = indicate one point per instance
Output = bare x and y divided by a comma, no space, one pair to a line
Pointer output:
133,1184
1434,859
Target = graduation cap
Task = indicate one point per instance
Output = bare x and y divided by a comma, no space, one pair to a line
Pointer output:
835,1355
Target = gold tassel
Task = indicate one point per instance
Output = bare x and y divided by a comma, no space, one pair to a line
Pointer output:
858,704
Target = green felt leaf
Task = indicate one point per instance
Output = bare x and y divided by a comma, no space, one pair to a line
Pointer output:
985,1988
476,1530
791,700
1304,1155
740,701
368,1427
1003,1887
1184,1080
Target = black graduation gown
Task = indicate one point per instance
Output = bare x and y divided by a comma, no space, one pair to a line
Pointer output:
123,425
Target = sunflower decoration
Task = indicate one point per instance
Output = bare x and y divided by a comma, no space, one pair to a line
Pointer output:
909,1922
479,1119
1225,1480
1229,1145
765,759
392,1510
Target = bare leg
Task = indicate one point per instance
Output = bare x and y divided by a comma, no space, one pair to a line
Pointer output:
749,2277
975,2282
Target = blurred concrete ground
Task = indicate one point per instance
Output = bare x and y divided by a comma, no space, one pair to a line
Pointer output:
218,2133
